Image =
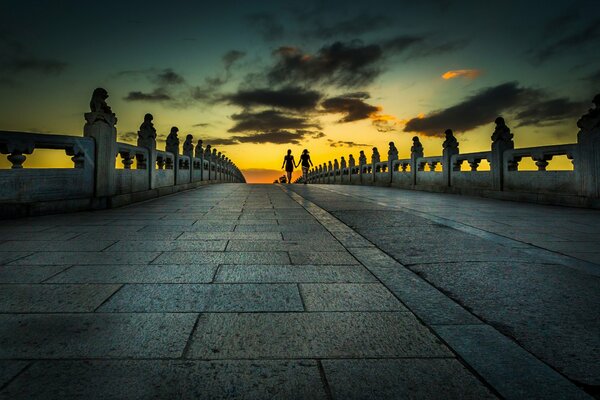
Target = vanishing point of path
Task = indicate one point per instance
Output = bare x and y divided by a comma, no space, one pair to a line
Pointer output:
302,292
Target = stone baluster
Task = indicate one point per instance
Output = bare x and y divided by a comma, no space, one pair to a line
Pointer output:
16,152
416,152
207,156
147,140
587,159
450,147
126,158
101,125
502,140
392,156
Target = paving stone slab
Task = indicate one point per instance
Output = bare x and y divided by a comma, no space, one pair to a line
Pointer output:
177,245
287,245
203,227
534,303
202,297
10,369
56,245
230,257
112,379
313,335
230,236
293,273
403,379
188,273
28,273
26,298
37,236
349,297
59,336
509,369
87,257
9,256
116,235
322,257
303,236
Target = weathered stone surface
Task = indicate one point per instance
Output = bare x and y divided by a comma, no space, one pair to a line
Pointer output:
287,245
10,369
322,257
230,257
53,298
28,273
313,335
509,369
349,297
133,273
230,236
293,273
536,305
87,257
403,379
71,245
202,297
169,380
8,256
57,336
176,245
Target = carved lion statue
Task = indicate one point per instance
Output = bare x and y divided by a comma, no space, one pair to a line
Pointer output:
98,102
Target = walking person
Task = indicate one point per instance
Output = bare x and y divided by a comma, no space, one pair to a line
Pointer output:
289,163
306,163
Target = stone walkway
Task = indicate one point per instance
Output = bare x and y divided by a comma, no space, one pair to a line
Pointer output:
301,292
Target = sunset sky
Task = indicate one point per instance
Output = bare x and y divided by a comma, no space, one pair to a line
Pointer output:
254,78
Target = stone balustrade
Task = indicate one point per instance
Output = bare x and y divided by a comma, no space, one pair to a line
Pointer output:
576,186
105,173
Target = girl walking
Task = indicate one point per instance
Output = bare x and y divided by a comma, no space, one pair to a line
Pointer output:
288,163
306,163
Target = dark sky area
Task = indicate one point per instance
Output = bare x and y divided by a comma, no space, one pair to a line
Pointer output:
258,77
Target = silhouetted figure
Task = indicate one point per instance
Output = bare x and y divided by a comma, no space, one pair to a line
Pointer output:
288,163
199,151
416,149
392,152
147,133
502,132
98,101
450,142
375,158
188,146
591,120
306,163
172,145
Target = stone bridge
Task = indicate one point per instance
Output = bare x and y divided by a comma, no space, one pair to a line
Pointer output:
312,291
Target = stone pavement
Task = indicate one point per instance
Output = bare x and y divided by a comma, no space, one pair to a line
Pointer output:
301,292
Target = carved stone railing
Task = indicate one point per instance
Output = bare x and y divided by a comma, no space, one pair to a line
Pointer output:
105,173
577,186
28,185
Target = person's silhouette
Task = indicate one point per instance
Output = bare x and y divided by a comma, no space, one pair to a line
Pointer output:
306,163
288,163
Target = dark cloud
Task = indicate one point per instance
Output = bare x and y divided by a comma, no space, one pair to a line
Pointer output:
530,107
548,112
269,120
350,27
342,143
291,98
158,94
430,48
168,77
201,125
588,34
130,137
15,58
352,105
343,64
402,43
277,137
231,57
267,26
557,24
220,141
479,109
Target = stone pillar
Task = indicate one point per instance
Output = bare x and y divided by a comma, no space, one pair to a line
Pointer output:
199,153
501,141
213,164
375,158
450,146
362,161
147,140
416,151
351,165
337,176
101,125
392,156
207,156
587,159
